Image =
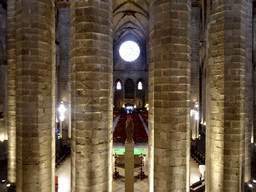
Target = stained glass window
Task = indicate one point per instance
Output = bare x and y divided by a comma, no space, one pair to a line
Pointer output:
129,51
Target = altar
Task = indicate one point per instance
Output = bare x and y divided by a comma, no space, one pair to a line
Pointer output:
120,160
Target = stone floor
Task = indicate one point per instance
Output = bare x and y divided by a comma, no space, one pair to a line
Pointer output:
63,172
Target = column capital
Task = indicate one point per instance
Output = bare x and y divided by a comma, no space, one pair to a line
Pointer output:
63,4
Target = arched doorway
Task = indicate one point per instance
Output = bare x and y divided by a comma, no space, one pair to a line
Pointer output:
129,89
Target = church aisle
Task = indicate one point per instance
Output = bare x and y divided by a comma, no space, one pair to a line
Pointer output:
63,171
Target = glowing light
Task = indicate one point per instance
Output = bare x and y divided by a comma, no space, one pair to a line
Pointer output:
250,185
2,138
62,117
118,85
254,181
192,112
140,86
8,185
147,106
62,110
196,105
196,115
129,51
204,123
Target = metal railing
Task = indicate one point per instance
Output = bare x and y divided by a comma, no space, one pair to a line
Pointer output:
62,154
197,155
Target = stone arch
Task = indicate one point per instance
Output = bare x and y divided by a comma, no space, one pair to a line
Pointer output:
140,80
118,80
140,93
118,94
129,89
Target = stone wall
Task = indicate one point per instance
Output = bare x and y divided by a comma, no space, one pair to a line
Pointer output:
135,70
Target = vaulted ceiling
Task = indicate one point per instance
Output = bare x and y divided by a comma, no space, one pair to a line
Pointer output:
131,17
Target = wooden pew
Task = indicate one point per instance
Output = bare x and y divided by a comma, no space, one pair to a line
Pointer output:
198,186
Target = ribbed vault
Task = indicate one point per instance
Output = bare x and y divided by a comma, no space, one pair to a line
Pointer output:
130,17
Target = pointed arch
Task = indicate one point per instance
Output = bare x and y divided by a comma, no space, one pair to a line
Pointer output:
129,89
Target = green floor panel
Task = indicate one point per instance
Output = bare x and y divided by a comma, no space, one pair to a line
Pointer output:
122,151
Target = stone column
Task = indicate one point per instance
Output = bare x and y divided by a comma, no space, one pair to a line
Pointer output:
169,95
225,132
11,90
248,91
92,95
129,166
64,78
35,95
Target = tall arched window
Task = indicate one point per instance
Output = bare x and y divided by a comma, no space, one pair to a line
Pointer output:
118,85
140,85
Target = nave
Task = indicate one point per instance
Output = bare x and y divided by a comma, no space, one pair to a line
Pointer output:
63,173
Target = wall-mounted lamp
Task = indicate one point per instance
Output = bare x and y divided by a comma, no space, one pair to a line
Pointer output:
2,138
62,110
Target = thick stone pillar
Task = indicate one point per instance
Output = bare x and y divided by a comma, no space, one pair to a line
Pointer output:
92,95
64,78
35,95
169,95
225,132
248,91
11,90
